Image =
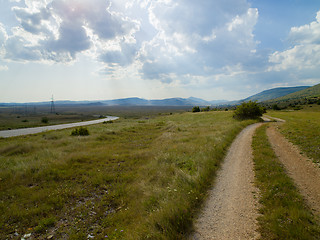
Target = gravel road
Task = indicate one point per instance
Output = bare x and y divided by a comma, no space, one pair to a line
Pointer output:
302,170
231,208
27,131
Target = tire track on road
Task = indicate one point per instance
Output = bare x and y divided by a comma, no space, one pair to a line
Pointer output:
231,209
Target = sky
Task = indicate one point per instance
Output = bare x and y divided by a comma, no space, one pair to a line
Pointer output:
107,49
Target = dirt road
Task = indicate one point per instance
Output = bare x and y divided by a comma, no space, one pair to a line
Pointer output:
27,131
231,209
305,174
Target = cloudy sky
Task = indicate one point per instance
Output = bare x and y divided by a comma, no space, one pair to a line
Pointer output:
106,49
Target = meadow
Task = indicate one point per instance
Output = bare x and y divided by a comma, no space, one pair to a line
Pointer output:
303,129
140,177
284,214
14,117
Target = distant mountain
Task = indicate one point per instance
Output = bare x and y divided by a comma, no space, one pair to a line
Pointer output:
273,93
134,101
161,102
126,102
305,93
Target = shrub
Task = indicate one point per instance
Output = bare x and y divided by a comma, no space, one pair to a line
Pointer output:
248,110
206,109
44,120
105,122
196,109
82,131
275,107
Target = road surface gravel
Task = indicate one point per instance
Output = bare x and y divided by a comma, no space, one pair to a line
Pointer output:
231,209
302,170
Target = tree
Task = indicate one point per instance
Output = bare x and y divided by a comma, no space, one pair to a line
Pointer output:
196,109
248,110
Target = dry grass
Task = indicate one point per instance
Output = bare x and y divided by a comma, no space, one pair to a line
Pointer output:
303,129
131,179
284,214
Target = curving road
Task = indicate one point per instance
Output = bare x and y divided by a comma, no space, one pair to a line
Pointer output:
27,131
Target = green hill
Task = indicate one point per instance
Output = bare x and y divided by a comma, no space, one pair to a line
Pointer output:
311,92
274,93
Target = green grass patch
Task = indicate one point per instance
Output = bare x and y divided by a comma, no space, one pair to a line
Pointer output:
131,179
302,128
284,214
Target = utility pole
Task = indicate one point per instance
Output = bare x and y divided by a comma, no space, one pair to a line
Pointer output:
53,110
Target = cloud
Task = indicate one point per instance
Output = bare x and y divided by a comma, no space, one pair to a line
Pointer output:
169,40
304,54
32,21
57,30
299,57
198,39
3,39
3,68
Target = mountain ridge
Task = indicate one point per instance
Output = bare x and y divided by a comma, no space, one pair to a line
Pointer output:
310,92
264,96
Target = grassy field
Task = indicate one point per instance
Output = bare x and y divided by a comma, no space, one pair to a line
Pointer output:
303,129
23,117
131,179
284,214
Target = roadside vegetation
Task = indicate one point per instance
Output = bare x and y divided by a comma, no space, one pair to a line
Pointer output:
135,178
24,117
248,110
13,121
303,129
284,214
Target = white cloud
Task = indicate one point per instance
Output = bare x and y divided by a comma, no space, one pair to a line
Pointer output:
56,30
306,34
305,52
3,39
174,42
198,39
297,58
3,68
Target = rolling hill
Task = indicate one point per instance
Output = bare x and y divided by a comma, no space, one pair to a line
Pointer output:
311,92
267,96
274,93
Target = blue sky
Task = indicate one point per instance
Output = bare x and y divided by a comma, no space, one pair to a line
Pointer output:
106,49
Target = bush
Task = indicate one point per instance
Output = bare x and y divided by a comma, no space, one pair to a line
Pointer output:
105,122
44,120
275,107
196,109
297,108
248,110
82,131
206,109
